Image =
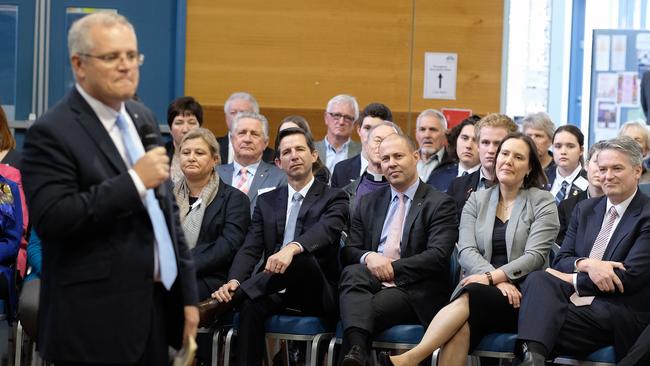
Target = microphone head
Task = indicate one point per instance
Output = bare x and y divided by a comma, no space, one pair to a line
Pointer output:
149,137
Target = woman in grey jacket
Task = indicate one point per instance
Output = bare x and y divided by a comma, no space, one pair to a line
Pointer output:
505,233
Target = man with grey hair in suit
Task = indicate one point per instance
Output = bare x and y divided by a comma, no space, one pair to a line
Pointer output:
341,112
248,172
237,103
430,128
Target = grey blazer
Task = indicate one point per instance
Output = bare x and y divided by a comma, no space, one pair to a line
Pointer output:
528,241
267,178
353,149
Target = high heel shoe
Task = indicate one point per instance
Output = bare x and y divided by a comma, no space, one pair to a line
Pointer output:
384,359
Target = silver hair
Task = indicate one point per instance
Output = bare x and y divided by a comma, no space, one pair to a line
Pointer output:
595,149
433,113
78,37
245,96
640,125
344,99
539,121
392,124
207,136
252,115
627,146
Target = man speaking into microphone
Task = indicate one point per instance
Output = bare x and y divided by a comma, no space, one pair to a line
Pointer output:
118,284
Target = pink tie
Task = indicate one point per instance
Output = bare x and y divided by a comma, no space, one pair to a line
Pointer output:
243,178
597,252
394,237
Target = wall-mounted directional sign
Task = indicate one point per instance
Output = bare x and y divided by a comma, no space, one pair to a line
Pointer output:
440,75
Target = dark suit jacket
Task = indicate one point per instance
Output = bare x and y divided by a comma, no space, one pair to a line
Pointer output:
565,210
268,155
318,228
430,232
223,228
346,171
97,289
630,244
461,187
442,176
551,172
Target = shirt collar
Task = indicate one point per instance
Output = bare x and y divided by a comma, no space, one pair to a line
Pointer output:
571,177
410,191
438,153
251,168
303,191
469,171
107,115
328,146
621,207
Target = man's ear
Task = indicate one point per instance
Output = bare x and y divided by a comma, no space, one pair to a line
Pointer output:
77,67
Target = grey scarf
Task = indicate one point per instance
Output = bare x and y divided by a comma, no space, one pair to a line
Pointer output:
192,220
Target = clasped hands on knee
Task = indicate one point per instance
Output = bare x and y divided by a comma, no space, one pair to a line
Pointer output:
380,266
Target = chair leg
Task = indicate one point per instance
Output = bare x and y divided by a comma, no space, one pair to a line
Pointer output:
216,343
19,344
227,347
330,352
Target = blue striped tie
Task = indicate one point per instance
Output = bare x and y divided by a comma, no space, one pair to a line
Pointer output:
561,193
166,256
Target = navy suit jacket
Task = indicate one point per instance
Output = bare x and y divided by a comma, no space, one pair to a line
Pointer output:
97,289
461,187
629,244
442,176
322,215
430,232
224,225
346,171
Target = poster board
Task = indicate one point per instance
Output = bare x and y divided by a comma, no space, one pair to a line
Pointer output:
619,59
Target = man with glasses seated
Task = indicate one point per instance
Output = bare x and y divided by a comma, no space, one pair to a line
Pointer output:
341,112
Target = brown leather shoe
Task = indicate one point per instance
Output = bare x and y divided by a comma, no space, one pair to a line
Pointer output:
210,310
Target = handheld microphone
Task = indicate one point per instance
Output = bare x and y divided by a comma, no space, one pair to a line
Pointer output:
150,141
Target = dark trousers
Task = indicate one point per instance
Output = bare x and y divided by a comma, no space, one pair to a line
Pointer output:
547,316
368,306
307,291
156,351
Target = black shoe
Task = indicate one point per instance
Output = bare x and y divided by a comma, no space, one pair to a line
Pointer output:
354,357
384,359
532,359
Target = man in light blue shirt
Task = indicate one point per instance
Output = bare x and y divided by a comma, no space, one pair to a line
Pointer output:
341,112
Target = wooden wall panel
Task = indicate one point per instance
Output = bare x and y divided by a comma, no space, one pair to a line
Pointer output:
295,55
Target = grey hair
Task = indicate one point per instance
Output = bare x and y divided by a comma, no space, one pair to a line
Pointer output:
639,124
433,113
344,99
627,146
245,96
207,136
392,124
78,39
594,150
252,115
539,121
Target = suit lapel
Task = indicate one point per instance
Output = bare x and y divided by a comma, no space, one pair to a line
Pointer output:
94,127
515,214
490,217
280,213
594,222
226,172
380,208
313,195
414,211
624,226
260,176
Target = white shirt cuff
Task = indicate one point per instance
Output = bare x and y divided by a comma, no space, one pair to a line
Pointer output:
575,283
363,258
139,186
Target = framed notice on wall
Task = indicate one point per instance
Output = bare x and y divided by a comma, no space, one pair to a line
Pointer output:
440,75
